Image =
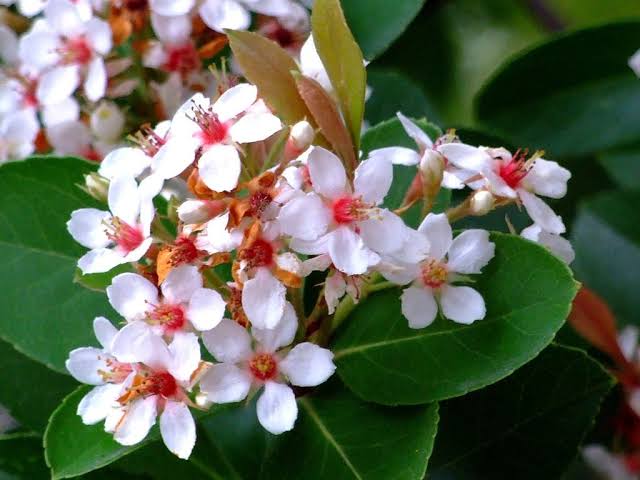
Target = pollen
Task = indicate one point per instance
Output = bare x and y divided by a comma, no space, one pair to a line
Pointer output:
347,210
76,50
171,317
434,273
125,236
263,366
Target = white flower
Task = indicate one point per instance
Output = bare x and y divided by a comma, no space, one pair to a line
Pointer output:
107,122
344,223
432,279
606,463
121,235
235,14
185,303
67,46
634,63
211,130
265,364
515,177
311,65
18,133
149,379
559,246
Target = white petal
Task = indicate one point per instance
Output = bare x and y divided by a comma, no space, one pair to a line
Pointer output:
100,260
172,8
311,247
63,17
173,30
99,35
415,132
85,363
132,295
98,403
305,217
221,14
125,161
66,111
462,304
466,157
185,355
311,65
104,331
438,231
560,247
58,84
263,299
137,421
228,342
385,234
225,383
149,188
175,156
548,179
38,49
235,101
419,306
255,127
219,167
470,252
277,408
124,201
206,309
281,335
181,283
373,179
178,429
217,238
8,45
327,173
348,252
136,342
95,82
87,228
29,8
308,365
541,213
628,341
397,155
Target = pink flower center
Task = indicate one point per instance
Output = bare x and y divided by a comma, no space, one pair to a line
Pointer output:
125,236
349,209
76,50
212,130
513,171
147,383
259,201
258,254
263,366
182,59
171,317
434,273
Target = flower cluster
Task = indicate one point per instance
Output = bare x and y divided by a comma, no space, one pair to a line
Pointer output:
255,207
76,76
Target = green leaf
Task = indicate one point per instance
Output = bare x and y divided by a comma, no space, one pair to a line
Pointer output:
343,61
72,448
623,166
21,457
339,436
100,281
551,95
44,315
30,391
606,239
528,426
528,293
391,134
377,23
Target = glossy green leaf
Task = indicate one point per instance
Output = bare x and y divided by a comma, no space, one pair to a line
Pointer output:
377,23
343,61
623,166
73,449
551,96
339,436
606,239
528,426
45,315
30,391
528,294
21,457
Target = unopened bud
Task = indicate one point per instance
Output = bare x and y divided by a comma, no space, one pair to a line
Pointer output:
302,135
97,186
482,202
432,168
202,401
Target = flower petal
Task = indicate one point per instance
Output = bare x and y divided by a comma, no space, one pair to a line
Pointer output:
99,402
419,306
438,231
86,226
277,408
58,84
84,364
206,309
305,217
219,167
263,299
466,157
541,213
132,295
95,82
327,173
235,101
136,343
100,260
125,161
415,132
225,383
548,179
255,127
185,355
124,200
228,342
348,252
397,155
222,14
137,421
178,429
373,179
470,252
174,156
281,335
181,283
104,331
462,304
308,365
385,234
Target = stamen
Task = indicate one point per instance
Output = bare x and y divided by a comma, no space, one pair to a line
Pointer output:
258,254
349,209
213,131
263,366
125,236
434,273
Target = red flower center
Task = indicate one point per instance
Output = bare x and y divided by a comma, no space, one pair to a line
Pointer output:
213,131
183,251
147,383
171,317
263,366
125,236
77,50
348,210
258,254
259,201
182,59
513,171
434,273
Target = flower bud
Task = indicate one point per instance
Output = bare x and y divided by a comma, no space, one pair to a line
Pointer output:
97,186
432,168
302,135
482,202
107,122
